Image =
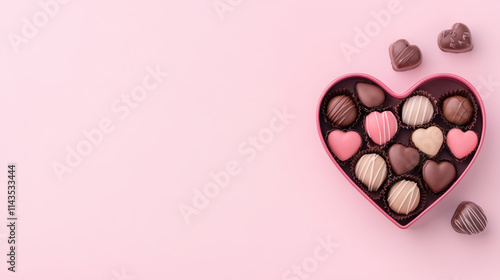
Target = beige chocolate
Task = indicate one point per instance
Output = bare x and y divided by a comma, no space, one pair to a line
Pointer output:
404,197
417,110
371,170
428,140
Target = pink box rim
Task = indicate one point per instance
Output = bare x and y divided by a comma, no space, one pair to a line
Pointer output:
394,94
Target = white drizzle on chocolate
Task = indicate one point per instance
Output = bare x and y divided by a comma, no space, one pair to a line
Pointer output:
371,170
417,110
404,197
469,219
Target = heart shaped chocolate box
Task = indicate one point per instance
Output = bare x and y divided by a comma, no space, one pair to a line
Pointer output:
402,152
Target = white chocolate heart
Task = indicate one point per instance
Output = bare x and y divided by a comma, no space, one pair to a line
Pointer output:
428,140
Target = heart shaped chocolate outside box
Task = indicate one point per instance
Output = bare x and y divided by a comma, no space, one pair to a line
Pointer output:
404,56
436,85
456,40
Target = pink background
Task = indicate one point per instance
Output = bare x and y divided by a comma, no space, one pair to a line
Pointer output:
116,215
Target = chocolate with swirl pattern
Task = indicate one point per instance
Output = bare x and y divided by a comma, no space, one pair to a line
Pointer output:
469,218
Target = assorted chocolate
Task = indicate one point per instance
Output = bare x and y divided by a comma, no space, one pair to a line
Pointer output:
469,218
406,153
428,140
401,152
455,40
458,110
461,143
371,170
381,126
404,197
342,111
438,175
404,56
344,144
370,95
417,110
403,159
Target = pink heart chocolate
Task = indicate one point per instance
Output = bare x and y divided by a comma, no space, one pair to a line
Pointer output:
344,144
461,143
380,128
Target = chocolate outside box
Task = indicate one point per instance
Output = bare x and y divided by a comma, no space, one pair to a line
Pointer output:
434,87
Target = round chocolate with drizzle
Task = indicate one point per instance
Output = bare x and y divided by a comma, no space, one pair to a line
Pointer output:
404,197
371,170
458,110
469,218
342,110
417,110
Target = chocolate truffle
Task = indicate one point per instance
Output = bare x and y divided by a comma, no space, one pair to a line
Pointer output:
455,40
342,111
404,197
428,140
458,110
469,218
371,170
404,56
370,95
403,159
417,110
381,126
438,176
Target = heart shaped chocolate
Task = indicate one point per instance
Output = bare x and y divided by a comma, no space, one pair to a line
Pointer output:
461,143
403,159
381,127
344,144
438,176
417,154
428,140
404,56
456,40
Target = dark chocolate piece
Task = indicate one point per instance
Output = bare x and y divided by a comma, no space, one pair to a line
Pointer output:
469,218
458,110
438,176
370,95
456,40
404,56
403,159
342,111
